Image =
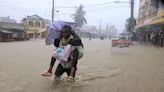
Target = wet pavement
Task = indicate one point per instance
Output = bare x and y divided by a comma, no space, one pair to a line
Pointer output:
139,68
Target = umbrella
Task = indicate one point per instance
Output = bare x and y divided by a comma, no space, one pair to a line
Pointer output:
54,29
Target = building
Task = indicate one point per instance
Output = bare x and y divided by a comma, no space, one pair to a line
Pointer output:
88,31
12,31
36,26
5,36
7,19
150,17
111,31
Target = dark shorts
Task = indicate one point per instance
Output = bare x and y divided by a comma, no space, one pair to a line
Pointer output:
60,70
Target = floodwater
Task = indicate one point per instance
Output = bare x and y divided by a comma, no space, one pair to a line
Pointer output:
139,68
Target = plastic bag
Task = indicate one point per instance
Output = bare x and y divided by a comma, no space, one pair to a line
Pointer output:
62,53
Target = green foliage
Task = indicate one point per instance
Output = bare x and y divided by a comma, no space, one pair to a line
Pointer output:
78,17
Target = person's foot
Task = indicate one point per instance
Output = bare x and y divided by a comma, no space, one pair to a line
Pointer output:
56,78
46,73
70,78
73,70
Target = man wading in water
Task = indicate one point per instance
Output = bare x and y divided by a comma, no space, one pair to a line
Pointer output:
67,36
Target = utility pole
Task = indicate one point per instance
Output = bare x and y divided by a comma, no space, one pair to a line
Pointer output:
53,10
132,15
100,28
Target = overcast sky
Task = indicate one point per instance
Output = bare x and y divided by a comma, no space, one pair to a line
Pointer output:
96,10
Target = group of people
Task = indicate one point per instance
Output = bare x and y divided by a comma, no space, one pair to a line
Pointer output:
156,38
67,36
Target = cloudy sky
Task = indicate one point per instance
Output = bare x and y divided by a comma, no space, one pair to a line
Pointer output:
96,10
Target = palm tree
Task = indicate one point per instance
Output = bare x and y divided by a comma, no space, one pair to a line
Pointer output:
78,17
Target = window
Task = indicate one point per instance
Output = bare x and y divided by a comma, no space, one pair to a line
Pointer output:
153,6
37,24
31,24
43,25
141,12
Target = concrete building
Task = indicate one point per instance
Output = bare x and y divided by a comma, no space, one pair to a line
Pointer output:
111,31
88,31
151,16
36,26
5,36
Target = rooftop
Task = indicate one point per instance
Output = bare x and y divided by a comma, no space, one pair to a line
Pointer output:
11,25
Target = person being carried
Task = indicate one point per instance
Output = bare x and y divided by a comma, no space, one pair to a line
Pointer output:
77,52
69,66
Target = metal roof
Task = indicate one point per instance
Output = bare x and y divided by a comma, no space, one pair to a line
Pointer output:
11,25
5,31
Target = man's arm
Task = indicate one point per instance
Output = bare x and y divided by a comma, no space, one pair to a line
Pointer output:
56,42
76,40
75,35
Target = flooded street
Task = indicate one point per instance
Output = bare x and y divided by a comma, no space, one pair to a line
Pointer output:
139,68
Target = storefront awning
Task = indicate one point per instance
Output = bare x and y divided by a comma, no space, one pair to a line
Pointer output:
153,21
158,20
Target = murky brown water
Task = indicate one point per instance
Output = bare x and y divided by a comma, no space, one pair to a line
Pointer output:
135,69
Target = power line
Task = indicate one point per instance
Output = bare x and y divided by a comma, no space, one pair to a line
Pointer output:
10,6
99,10
103,9
18,9
88,6
90,11
14,8
94,5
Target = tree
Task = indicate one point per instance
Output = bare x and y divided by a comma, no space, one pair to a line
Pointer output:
78,17
129,24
